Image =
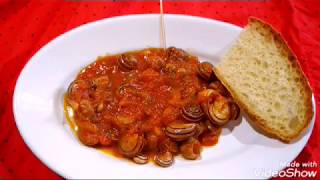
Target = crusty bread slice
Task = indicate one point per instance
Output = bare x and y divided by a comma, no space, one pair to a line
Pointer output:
265,79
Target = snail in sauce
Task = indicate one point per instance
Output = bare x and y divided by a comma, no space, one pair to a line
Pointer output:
180,131
164,159
150,105
205,70
127,62
140,159
191,149
192,112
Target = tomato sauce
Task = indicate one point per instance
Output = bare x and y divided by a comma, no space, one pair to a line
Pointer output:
136,93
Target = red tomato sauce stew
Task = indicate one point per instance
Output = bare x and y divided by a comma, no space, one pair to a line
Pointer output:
150,104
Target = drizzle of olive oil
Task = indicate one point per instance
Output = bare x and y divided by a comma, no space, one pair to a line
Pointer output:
162,27
69,114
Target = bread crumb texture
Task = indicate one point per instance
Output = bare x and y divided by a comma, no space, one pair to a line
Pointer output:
263,74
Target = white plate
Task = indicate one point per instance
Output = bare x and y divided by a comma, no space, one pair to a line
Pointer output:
38,103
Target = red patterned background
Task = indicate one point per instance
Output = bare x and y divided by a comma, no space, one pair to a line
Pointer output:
27,25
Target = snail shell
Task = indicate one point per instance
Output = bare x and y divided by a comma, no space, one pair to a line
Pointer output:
218,111
131,144
179,131
164,159
127,62
191,149
205,70
140,159
192,112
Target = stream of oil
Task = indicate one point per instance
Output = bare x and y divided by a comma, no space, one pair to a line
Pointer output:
163,43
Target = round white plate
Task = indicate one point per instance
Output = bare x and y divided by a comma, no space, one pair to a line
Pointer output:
38,103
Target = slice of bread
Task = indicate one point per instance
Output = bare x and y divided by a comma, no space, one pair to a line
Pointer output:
265,79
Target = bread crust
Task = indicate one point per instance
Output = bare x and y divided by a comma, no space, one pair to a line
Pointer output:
258,121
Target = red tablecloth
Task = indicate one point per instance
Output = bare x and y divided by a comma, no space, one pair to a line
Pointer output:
25,26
